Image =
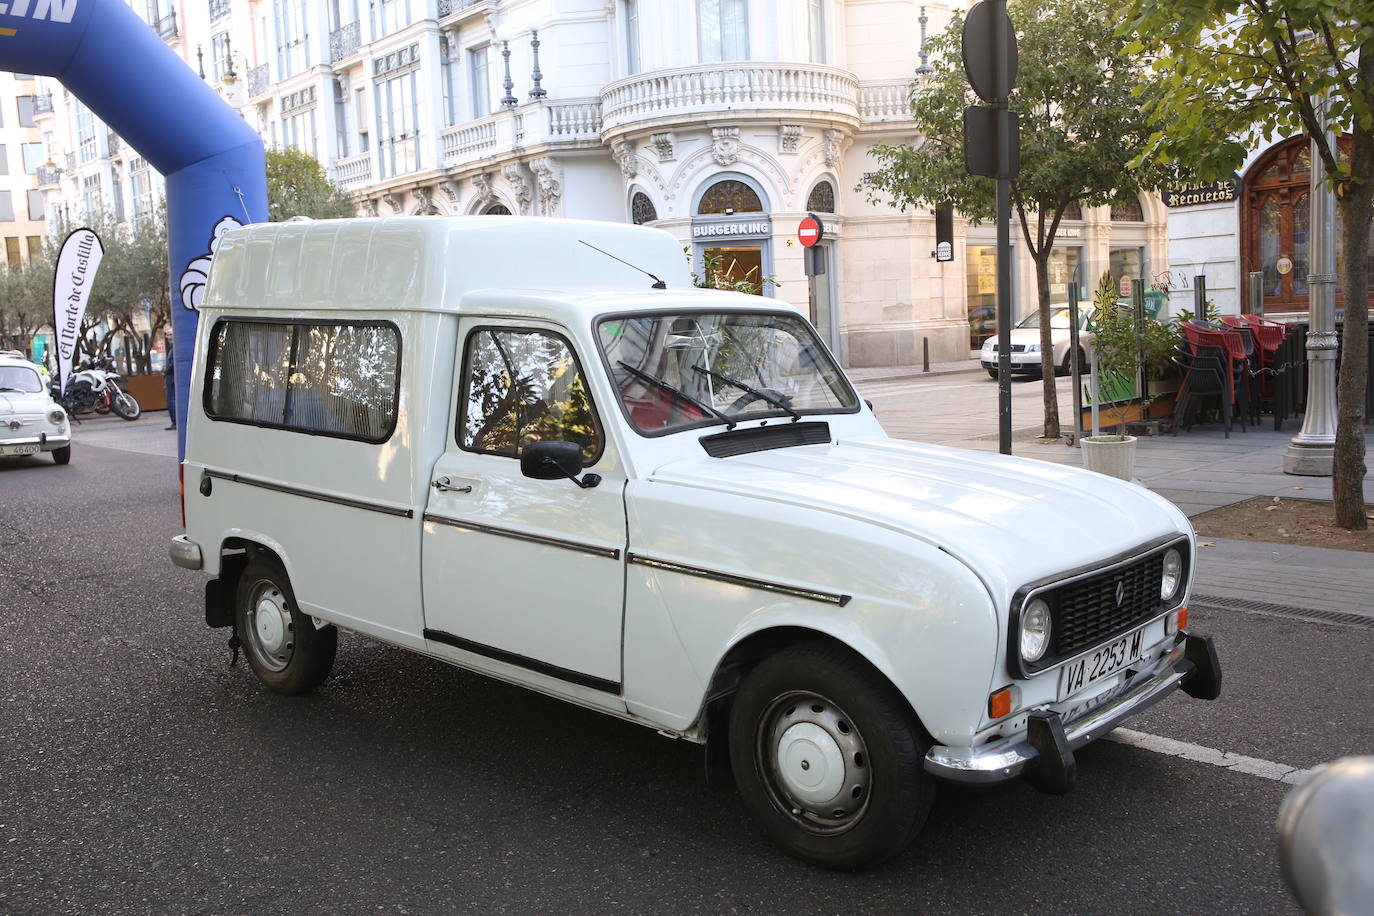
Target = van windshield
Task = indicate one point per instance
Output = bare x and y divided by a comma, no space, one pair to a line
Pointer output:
678,370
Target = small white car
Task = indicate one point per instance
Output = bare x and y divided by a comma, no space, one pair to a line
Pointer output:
662,503
30,420
1025,343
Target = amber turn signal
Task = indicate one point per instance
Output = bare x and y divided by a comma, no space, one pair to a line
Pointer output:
999,704
1182,618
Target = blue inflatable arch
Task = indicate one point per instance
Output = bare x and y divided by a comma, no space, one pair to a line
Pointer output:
123,72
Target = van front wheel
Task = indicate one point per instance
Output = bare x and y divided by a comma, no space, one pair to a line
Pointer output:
829,758
283,646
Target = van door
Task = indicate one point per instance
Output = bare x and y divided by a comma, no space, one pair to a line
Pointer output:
523,571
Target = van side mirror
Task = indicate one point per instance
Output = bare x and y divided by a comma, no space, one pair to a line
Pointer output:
552,460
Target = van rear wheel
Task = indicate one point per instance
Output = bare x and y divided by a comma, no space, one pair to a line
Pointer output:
285,649
829,758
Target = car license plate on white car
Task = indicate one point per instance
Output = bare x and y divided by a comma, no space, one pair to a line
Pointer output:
26,449
1103,663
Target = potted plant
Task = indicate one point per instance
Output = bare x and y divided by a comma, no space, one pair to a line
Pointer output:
1117,350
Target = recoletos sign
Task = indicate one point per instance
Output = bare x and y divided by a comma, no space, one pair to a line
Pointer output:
732,228
1191,195
56,10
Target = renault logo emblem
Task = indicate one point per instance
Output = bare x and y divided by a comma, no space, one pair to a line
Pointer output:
1120,592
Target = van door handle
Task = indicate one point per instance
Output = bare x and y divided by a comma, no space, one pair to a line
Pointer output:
444,485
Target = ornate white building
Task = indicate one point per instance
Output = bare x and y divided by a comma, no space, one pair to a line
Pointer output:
723,122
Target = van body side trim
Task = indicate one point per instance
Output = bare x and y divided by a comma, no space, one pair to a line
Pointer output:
746,582
610,553
312,494
524,661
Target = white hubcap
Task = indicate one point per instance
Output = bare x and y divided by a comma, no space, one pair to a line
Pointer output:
269,624
810,764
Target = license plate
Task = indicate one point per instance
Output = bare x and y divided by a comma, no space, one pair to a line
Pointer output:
1101,664
19,449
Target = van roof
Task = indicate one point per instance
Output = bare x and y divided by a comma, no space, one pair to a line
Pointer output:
430,263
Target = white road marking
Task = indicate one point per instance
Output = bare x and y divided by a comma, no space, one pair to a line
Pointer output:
1254,766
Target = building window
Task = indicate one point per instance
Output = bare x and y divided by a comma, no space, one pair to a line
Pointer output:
1127,210
398,147
815,31
1063,270
35,204
325,378
35,248
91,199
85,133
980,272
140,186
1126,262
219,54
497,210
822,198
389,16
298,130
723,30
1072,211
33,157
6,207
446,81
289,19
12,250
631,8
4,159
642,209
730,196
477,78
25,103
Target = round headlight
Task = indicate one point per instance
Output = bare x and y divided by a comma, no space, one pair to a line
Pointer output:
1035,630
1173,574
56,416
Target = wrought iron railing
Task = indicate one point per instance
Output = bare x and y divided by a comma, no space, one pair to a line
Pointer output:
48,177
167,25
257,80
448,7
42,104
345,41
218,9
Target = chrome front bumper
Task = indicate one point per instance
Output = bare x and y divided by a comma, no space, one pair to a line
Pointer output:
44,441
1046,751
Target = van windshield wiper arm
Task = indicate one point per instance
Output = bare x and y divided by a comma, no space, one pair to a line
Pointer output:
660,383
759,393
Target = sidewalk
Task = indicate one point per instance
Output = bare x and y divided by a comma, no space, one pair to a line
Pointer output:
1198,471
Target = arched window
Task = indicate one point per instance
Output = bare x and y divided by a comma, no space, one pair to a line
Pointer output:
642,209
822,198
496,210
1127,210
730,196
1073,211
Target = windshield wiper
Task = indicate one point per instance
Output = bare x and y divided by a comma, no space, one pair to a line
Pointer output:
654,380
778,402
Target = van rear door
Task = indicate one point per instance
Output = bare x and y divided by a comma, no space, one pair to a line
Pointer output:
517,570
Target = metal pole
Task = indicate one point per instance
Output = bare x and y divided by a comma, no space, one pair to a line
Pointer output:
1075,370
1200,297
1257,293
925,354
1003,235
1311,452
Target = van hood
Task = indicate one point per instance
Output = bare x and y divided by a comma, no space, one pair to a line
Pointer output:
1010,520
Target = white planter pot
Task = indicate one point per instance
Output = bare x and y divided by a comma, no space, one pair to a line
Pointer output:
1110,455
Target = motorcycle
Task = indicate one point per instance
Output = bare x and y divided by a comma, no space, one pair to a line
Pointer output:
96,388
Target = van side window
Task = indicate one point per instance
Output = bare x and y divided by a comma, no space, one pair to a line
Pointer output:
523,386
339,379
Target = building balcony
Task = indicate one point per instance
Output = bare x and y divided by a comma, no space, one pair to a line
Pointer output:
218,9
49,177
885,101
449,7
724,90
42,104
542,123
258,84
354,172
344,42
167,26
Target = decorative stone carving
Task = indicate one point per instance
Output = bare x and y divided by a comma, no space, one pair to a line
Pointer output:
663,145
450,189
725,145
832,145
547,177
481,182
394,201
519,185
424,201
623,152
369,207
789,137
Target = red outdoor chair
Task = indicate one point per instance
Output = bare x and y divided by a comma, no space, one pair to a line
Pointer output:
1231,349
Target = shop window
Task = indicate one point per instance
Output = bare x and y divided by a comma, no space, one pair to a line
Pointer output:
642,209
730,196
1063,270
822,198
981,273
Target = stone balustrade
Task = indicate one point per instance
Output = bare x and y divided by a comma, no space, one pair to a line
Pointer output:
885,100
725,88
469,141
574,119
353,172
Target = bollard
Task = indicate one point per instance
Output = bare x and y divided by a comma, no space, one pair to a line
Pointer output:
1326,838
925,354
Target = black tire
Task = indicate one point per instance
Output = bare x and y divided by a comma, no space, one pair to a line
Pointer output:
287,653
992,373
883,792
62,455
125,405
1066,367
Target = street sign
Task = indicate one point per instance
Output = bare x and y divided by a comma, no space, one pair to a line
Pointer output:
810,230
944,233
980,140
980,50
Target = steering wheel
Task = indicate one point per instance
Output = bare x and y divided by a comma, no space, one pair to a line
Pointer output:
750,397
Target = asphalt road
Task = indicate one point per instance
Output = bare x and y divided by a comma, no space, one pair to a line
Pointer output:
140,773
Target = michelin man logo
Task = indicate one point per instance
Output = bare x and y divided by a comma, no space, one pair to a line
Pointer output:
194,276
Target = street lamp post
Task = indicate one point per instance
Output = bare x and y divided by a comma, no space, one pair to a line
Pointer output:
1311,451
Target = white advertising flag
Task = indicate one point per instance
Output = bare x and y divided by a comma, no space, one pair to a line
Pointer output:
77,263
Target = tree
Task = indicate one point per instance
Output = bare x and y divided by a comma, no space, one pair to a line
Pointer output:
298,186
1238,73
25,303
1080,132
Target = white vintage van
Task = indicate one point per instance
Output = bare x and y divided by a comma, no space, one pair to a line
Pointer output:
506,443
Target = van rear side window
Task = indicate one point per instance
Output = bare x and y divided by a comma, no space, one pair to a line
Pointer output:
328,378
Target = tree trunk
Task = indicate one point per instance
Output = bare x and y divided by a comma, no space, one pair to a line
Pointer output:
1051,397
1356,209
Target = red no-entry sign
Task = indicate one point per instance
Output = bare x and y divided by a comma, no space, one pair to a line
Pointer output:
810,230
